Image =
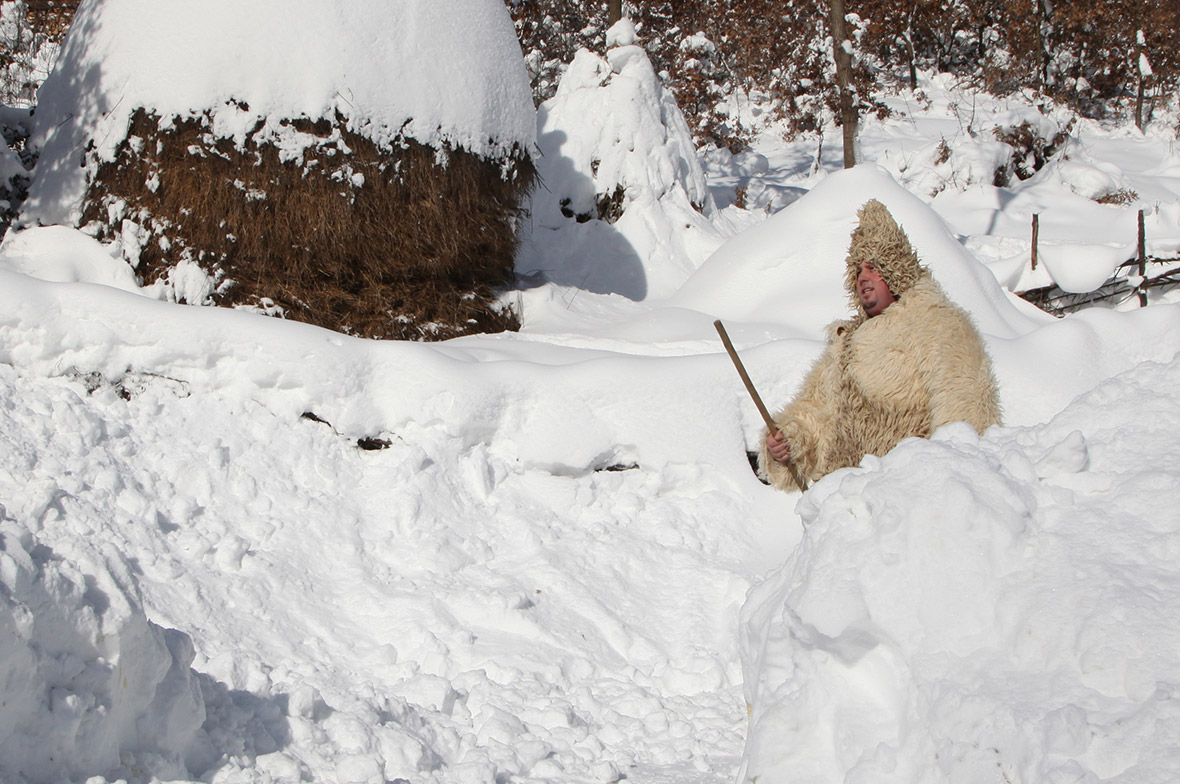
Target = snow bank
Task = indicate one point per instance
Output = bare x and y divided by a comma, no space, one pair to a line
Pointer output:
789,270
538,577
63,255
971,609
444,71
88,684
543,414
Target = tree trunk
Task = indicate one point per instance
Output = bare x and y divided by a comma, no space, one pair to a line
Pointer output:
614,11
1044,10
843,58
910,54
1140,56
1139,104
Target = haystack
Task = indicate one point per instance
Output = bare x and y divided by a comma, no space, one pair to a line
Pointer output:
409,242
382,204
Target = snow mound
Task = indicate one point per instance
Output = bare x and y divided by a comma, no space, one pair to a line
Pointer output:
88,684
789,269
434,611
63,255
1081,267
443,71
971,609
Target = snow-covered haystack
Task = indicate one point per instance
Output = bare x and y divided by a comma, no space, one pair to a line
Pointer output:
89,686
621,184
359,165
975,609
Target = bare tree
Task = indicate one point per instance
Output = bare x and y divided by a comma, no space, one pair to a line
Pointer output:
614,11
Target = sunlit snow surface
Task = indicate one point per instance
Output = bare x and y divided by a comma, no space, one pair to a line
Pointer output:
996,609
561,567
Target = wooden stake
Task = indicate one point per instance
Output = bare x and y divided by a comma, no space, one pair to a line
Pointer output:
1036,232
1142,263
771,425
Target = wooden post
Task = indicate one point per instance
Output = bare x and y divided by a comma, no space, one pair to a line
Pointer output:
1036,232
771,426
1142,263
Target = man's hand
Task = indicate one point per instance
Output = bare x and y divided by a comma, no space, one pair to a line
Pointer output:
778,447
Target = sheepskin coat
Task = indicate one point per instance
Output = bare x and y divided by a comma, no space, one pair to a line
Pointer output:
916,366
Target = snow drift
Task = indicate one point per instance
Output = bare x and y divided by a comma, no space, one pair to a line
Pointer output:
976,609
789,268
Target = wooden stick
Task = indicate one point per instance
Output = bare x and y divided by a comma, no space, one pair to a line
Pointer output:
1142,262
737,363
771,425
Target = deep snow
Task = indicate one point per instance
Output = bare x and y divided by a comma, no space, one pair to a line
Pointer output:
561,567
971,610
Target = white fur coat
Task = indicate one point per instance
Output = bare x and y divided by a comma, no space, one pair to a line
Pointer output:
918,365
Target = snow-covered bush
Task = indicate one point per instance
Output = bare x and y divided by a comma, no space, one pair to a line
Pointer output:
616,151
1034,138
30,38
1013,146
14,174
644,151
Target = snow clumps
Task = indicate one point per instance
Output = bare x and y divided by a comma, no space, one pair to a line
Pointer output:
89,685
980,609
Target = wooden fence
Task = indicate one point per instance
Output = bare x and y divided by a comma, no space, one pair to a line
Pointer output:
1136,277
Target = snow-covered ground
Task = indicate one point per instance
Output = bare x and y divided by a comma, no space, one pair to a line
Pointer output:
560,566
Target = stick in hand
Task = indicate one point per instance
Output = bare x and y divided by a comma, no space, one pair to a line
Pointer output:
771,425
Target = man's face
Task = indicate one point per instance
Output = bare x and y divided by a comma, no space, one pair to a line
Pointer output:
875,296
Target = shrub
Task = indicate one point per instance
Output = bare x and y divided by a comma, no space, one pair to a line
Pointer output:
1032,144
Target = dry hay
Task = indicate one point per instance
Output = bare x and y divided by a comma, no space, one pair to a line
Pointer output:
408,243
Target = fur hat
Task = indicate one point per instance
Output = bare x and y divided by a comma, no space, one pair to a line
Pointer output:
878,239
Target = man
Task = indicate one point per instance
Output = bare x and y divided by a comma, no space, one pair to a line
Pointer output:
907,363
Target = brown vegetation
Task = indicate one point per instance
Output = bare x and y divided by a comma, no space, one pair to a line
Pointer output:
408,242
1085,53
51,17
1031,150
